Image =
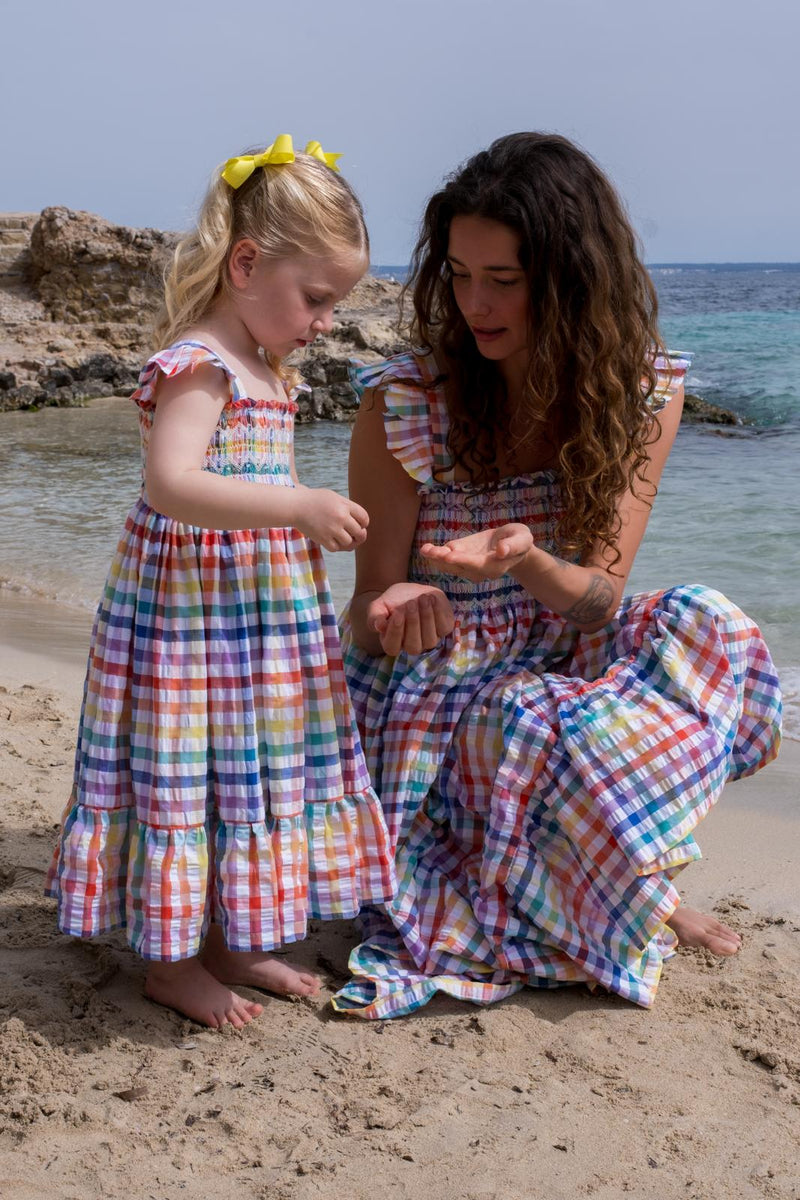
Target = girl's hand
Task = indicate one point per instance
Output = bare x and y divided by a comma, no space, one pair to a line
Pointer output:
411,617
330,519
485,555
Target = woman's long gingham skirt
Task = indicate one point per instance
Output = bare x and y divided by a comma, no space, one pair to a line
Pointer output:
218,774
541,788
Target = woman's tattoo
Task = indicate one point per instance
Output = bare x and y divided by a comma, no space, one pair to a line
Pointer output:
596,602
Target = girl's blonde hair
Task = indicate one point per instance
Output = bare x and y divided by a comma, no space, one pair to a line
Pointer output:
302,207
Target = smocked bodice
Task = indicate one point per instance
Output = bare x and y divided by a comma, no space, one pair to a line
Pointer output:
455,510
253,438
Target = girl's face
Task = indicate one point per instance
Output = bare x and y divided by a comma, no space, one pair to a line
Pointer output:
285,303
490,287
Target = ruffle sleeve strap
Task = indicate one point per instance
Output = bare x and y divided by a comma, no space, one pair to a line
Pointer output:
671,369
182,356
414,409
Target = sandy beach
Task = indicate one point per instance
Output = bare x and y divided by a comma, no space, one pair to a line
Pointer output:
550,1094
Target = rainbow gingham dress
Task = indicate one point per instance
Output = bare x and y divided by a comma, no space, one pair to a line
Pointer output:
540,785
218,774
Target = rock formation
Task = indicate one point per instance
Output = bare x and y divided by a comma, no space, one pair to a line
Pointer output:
84,268
78,294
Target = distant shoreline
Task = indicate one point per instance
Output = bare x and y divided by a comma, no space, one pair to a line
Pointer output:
723,265
399,271
779,265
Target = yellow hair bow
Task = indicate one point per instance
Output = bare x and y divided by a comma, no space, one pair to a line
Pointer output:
316,151
238,170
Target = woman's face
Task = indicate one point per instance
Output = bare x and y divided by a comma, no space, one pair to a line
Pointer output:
490,288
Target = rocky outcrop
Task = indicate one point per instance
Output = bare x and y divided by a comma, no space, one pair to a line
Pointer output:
77,298
15,248
84,268
697,411
75,313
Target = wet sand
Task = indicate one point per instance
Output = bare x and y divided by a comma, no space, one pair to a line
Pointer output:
549,1094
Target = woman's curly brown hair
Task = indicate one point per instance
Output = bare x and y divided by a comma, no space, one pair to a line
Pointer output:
593,313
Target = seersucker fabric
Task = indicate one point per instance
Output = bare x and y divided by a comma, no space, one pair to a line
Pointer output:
219,774
541,786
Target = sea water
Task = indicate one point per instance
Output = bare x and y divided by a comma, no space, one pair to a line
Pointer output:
727,514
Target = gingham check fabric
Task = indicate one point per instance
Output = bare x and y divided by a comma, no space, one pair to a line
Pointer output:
541,786
218,773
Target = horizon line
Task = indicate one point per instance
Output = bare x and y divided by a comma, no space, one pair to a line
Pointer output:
683,262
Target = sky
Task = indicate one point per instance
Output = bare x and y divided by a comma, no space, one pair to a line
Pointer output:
691,106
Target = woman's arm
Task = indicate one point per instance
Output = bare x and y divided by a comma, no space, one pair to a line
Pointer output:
387,613
587,593
188,408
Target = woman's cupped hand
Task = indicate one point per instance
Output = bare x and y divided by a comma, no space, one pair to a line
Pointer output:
410,617
487,554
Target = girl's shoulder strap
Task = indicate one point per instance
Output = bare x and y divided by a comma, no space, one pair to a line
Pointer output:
671,371
416,411
181,356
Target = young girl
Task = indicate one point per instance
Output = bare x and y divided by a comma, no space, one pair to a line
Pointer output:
542,747
220,794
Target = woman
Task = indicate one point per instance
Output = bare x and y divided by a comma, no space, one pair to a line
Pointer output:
543,747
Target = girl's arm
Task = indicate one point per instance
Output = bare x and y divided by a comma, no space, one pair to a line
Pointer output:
387,613
587,593
188,408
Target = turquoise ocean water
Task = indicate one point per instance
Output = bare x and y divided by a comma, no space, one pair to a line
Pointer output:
728,512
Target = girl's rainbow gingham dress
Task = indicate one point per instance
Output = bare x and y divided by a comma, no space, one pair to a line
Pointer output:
218,773
541,786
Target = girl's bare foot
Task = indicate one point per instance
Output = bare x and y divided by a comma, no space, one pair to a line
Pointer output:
255,968
698,929
193,991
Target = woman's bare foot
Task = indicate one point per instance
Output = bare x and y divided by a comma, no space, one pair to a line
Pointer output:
255,968
698,929
193,991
